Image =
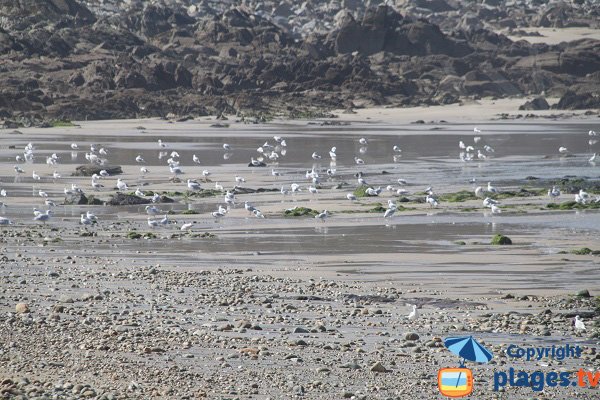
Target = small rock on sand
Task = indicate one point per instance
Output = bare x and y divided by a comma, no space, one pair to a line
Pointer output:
22,308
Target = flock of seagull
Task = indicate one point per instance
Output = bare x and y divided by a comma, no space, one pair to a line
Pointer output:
266,153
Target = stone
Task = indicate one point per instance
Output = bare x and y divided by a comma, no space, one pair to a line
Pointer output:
584,293
378,367
538,103
412,336
22,308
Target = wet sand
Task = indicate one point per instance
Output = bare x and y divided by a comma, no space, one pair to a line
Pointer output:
290,307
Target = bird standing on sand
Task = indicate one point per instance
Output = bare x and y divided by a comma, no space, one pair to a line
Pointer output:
121,185
579,325
414,313
554,193
322,216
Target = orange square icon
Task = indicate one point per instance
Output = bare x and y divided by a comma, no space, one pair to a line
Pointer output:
455,382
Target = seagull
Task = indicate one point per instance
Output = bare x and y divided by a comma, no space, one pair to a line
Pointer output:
322,216
432,201
121,185
489,202
161,144
332,153
249,207
397,149
174,154
152,223
275,173
239,179
284,191
491,189
195,159
85,220
554,192
35,176
193,185
5,221
295,187
43,217
495,209
217,215
462,145
579,325
139,159
91,216
414,313
592,133
258,214
315,156
218,187
56,175
49,203
152,210
351,197
175,169
489,149
164,220
155,198
563,150
226,146
480,155
362,141
313,190
187,226
96,185
74,146
144,170
42,194
593,158
359,161
103,152
139,193
205,173
389,212
479,191
104,173
3,193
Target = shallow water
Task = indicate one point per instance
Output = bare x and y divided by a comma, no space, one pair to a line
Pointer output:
366,244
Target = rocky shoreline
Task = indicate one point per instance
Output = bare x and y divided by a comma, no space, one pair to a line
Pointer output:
70,60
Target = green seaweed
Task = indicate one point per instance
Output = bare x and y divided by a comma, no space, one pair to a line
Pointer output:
458,197
300,212
582,251
61,123
572,205
189,212
501,240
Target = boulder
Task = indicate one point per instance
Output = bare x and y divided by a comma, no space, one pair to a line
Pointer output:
573,101
91,169
539,103
122,199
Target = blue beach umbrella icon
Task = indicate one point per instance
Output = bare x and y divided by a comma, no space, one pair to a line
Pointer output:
468,349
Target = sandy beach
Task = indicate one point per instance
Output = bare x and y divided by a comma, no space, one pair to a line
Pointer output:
293,307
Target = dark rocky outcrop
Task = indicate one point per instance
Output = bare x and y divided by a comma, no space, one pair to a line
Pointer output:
122,199
91,169
68,59
573,101
539,103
